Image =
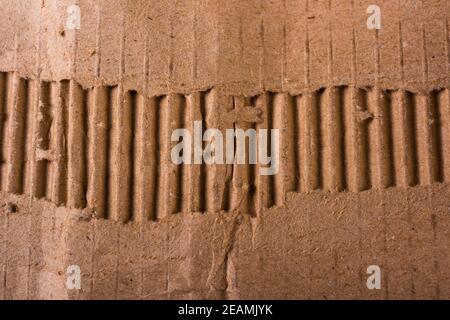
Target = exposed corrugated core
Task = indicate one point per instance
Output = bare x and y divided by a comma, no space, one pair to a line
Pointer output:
109,150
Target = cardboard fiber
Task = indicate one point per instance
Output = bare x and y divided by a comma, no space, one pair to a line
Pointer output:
87,180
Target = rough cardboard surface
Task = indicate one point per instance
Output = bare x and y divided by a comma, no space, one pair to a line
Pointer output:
320,246
243,47
87,179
